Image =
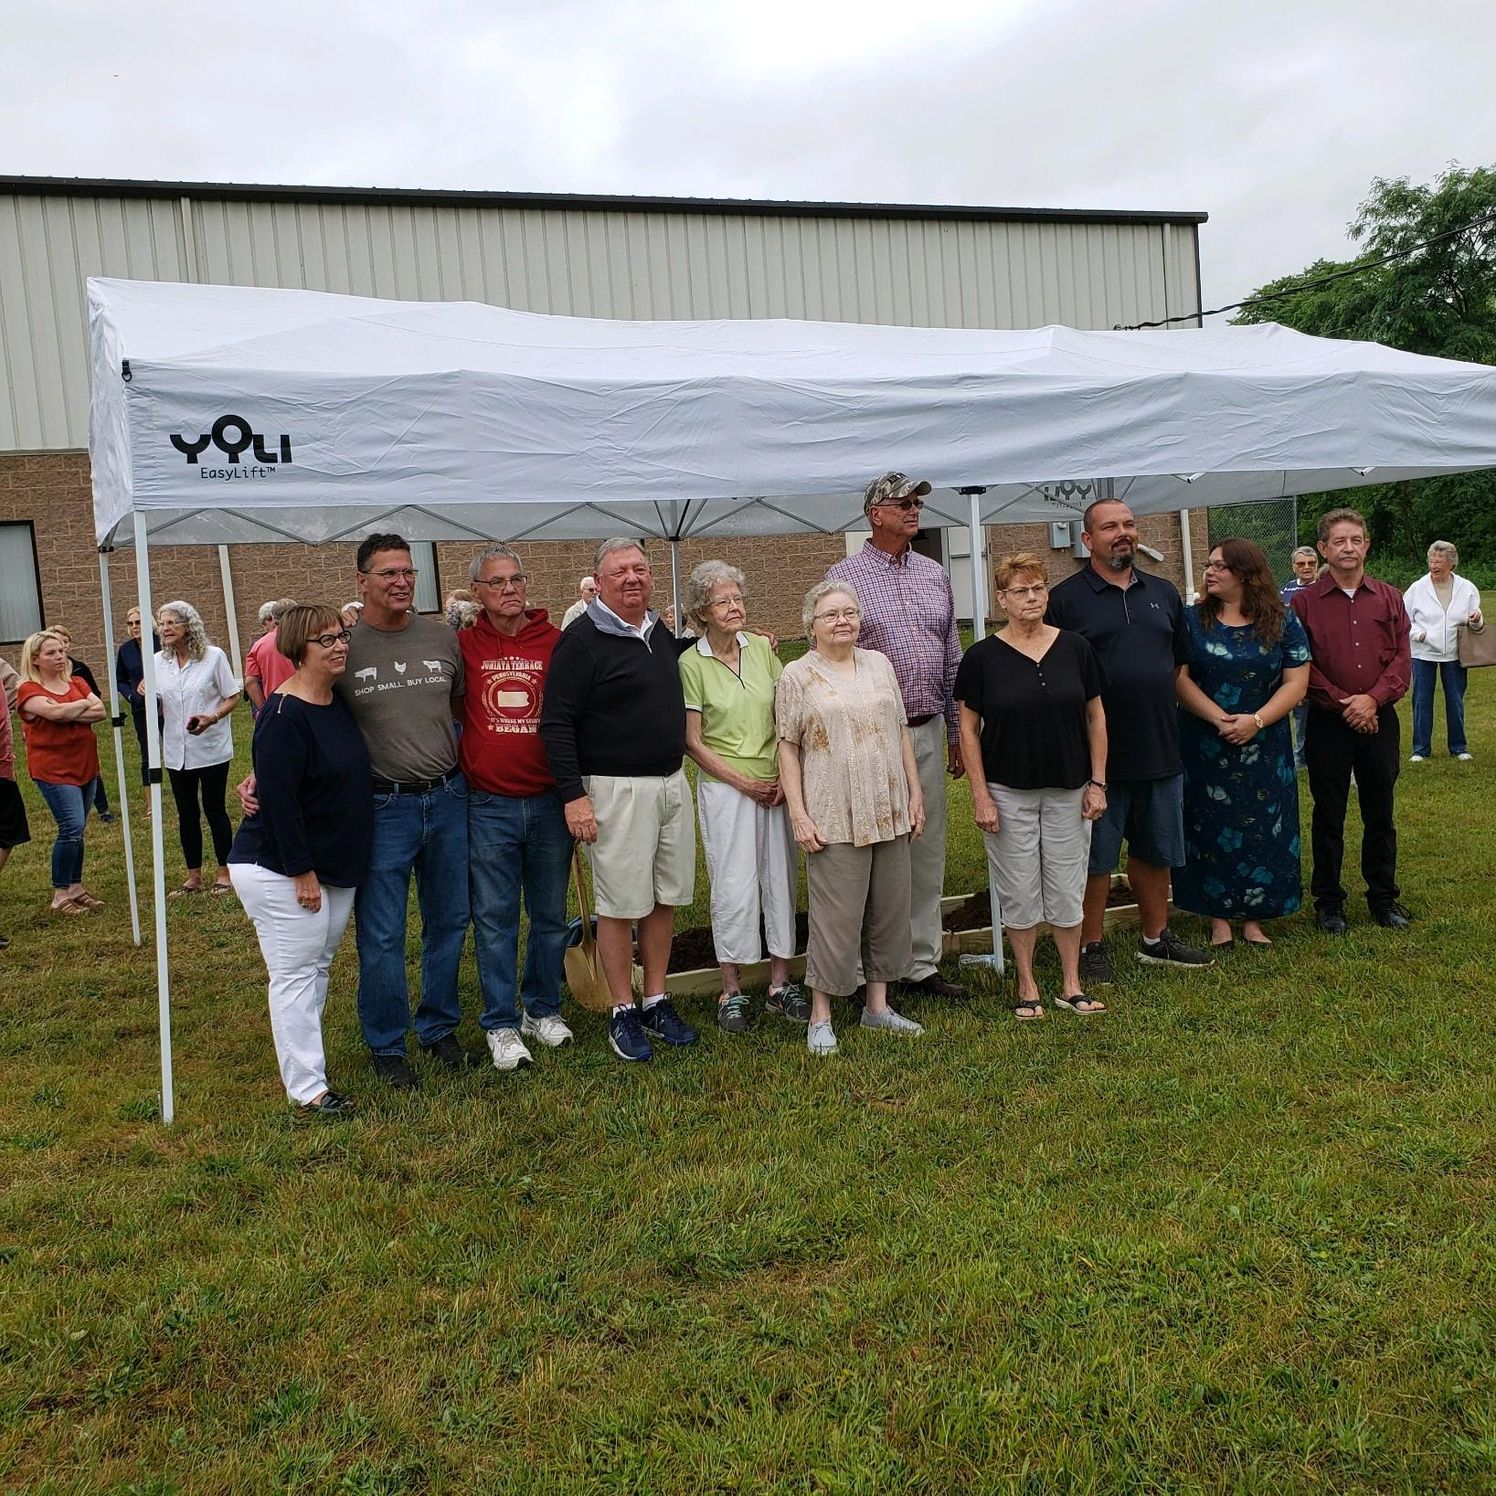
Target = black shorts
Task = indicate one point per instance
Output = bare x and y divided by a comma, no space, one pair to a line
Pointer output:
13,827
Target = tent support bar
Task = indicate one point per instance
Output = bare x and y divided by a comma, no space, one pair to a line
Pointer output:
680,622
1186,545
230,610
117,718
158,856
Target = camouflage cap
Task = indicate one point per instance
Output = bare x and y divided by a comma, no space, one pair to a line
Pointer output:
892,486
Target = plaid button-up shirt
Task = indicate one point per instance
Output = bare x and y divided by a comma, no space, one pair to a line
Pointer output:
909,614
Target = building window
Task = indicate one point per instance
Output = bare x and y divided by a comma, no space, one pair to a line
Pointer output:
20,583
428,584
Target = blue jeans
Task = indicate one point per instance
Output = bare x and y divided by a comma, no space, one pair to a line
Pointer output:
69,804
519,844
425,835
1300,726
1454,675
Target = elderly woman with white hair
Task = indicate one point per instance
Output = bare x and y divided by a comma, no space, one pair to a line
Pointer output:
728,680
1439,605
852,786
197,691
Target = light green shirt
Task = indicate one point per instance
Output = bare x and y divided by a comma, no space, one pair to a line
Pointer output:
737,707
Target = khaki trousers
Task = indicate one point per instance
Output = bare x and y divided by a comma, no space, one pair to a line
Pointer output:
859,915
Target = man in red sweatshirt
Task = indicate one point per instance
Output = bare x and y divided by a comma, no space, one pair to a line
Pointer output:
518,841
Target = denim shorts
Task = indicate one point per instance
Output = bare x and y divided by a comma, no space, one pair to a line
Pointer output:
1149,815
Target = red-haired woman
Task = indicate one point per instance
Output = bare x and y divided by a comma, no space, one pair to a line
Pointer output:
1248,669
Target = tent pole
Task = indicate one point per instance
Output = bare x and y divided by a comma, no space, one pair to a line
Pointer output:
680,622
117,718
158,855
994,961
230,609
1186,545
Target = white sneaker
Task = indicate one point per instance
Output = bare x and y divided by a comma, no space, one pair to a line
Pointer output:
549,1029
507,1048
1417,758
894,1023
820,1040
1464,758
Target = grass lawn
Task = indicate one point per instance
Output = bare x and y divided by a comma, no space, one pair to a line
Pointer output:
1237,1234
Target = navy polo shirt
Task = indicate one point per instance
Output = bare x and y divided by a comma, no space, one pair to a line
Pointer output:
1140,637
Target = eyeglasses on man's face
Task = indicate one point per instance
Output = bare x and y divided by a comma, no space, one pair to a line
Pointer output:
328,641
500,583
394,574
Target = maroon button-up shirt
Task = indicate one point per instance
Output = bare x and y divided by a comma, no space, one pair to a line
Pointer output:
1360,643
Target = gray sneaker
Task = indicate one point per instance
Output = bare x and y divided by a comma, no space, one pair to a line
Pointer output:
789,1002
819,1039
1168,950
732,1013
1096,966
893,1023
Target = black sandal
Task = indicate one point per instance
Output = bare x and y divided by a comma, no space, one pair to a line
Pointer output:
328,1104
1027,1012
1072,1004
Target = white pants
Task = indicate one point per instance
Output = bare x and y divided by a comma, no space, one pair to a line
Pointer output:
754,870
927,854
298,947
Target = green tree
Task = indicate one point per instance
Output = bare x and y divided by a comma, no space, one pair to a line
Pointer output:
1440,300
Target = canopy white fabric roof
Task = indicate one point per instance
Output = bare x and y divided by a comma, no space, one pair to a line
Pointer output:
336,414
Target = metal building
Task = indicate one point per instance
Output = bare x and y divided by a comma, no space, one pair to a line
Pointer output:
595,256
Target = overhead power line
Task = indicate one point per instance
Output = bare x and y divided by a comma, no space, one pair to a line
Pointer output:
1313,285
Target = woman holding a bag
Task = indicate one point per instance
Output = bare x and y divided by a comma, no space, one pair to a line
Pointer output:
1439,605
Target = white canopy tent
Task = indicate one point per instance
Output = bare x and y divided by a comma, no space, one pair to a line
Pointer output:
226,414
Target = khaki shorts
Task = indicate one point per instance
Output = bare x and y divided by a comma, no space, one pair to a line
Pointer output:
645,852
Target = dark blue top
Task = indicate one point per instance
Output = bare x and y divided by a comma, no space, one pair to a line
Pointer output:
315,790
129,671
1140,637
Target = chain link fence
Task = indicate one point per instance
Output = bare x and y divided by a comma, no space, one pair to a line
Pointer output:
1273,524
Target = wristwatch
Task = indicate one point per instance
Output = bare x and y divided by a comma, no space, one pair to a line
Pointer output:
1098,784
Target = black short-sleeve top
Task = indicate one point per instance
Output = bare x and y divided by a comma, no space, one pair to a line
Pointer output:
1033,711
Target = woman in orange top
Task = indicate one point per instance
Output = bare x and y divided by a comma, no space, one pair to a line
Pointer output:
57,716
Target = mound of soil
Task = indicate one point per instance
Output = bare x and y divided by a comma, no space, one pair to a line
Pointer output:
976,912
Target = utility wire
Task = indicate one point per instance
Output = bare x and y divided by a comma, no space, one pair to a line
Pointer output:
1312,285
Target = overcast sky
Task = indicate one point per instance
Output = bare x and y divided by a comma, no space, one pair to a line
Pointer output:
1271,116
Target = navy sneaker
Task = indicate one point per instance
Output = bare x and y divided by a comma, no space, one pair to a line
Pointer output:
626,1035
665,1023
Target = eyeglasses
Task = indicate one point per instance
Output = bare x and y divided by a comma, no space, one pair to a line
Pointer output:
734,600
1217,566
901,503
396,573
517,581
837,615
1037,590
327,641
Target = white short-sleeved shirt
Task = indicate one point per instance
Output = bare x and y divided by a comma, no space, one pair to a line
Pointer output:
194,689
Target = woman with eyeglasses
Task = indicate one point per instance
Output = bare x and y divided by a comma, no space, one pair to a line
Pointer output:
297,860
728,679
197,692
1248,668
852,786
1033,741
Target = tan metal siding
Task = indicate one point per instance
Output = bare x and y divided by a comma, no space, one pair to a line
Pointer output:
588,262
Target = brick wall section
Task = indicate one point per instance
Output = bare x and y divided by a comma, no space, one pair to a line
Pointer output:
53,491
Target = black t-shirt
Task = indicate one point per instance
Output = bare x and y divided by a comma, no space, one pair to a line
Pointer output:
1033,712
1140,638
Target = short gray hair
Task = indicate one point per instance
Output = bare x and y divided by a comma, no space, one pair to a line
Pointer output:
605,548
816,593
192,621
280,607
498,551
267,612
1446,548
705,577
1305,550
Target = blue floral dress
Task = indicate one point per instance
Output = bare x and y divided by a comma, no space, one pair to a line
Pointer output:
1241,804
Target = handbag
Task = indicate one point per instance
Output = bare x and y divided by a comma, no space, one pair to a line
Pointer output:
583,961
1477,646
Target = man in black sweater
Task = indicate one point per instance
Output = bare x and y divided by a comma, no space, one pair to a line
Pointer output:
614,728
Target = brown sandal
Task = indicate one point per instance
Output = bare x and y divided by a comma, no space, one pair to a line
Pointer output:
69,907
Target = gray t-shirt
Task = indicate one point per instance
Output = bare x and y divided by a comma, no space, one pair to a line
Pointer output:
399,685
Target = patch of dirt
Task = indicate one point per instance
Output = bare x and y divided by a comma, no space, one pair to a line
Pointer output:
692,949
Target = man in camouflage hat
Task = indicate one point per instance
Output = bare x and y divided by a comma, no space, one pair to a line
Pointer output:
909,614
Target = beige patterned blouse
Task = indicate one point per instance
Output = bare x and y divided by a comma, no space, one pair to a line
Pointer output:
849,730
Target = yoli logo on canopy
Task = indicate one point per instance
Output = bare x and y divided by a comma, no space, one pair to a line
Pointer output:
233,436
